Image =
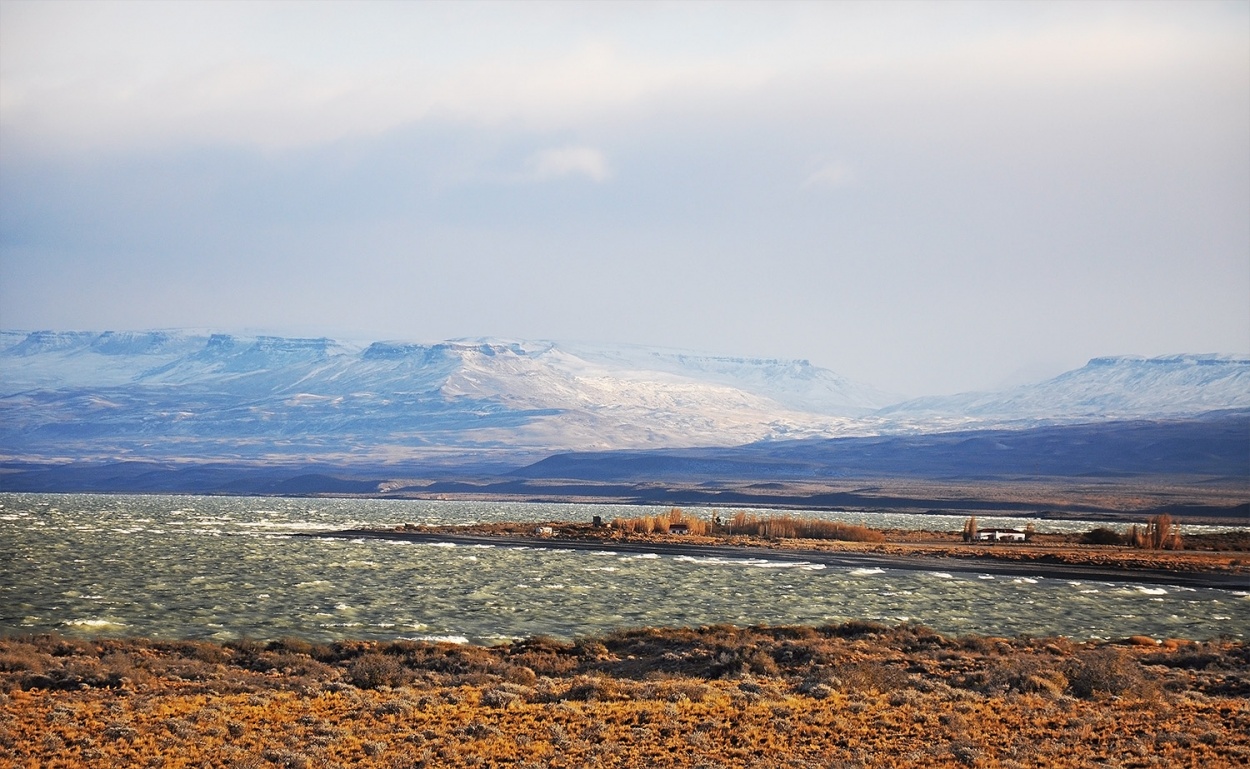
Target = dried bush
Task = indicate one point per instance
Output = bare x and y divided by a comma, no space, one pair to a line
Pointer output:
499,698
855,629
789,527
870,676
768,527
22,659
1108,671
1102,536
662,524
372,670
596,689
1024,673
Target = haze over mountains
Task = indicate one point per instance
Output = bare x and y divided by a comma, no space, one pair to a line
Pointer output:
101,397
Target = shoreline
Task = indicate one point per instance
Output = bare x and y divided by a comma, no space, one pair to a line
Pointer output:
1043,500
839,558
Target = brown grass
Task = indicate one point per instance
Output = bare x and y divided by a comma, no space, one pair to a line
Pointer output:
857,694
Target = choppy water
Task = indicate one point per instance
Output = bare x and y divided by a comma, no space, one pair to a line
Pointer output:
228,567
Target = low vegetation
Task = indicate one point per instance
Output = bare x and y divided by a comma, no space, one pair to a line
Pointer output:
744,524
1159,533
856,694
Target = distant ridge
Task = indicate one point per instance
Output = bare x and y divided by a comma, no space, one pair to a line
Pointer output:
173,395
1109,387
162,394
1212,446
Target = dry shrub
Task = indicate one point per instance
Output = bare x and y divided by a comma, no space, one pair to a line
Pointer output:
57,645
188,669
20,658
294,664
789,527
1026,674
292,645
768,527
596,689
913,636
499,698
204,651
1102,536
855,629
1200,658
519,674
679,690
373,670
870,676
1108,671
662,524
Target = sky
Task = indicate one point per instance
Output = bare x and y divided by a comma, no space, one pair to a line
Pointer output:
925,197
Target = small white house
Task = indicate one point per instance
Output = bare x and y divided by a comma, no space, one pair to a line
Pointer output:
1000,535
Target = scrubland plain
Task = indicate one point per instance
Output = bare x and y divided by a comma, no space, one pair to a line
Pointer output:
857,694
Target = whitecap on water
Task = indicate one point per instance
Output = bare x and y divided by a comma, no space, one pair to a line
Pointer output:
1150,590
866,572
93,623
451,639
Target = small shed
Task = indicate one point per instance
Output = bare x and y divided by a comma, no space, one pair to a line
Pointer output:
678,528
1001,535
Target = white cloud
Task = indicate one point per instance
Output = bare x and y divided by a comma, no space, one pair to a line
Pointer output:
279,75
569,161
830,175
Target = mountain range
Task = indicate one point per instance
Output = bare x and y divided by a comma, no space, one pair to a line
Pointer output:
175,396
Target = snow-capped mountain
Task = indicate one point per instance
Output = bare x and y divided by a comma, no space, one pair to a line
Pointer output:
185,394
1105,388
168,392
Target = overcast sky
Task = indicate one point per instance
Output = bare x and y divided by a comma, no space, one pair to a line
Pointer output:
929,197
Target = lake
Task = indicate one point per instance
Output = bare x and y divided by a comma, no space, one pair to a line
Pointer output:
228,567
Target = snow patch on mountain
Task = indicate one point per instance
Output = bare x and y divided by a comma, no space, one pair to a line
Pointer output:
1105,388
463,392
203,393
